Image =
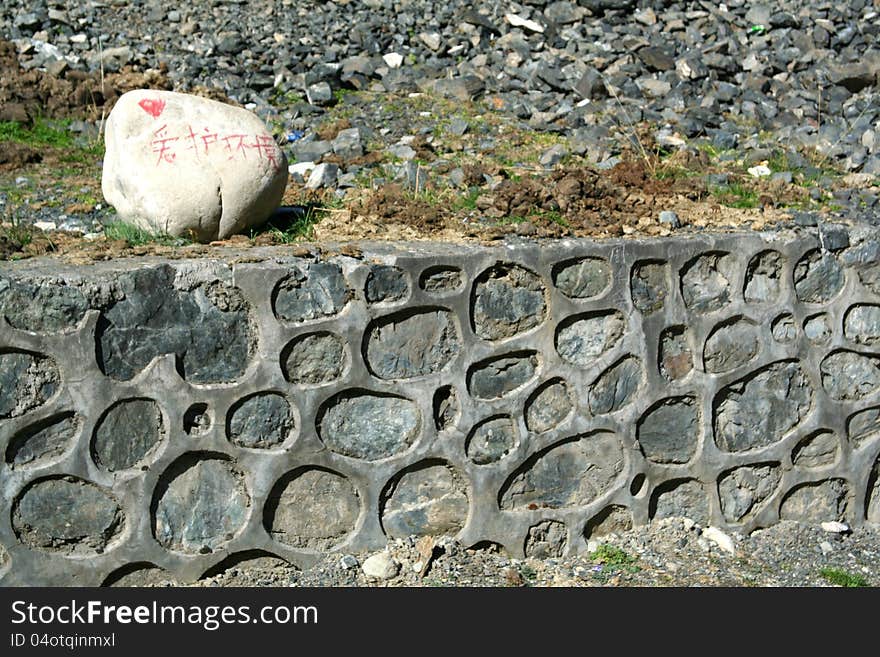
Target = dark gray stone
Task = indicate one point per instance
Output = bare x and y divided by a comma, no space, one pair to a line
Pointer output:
861,324
649,286
744,490
499,376
731,344
784,329
200,504
412,344
583,279
847,375
656,59
670,431
571,473
127,433
675,358
863,427
428,499
584,339
865,258
208,328
818,277
817,449
491,440
507,300
347,143
386,283
614,519
833,237
314,510
447,408
617,386
705,282
261,421
441,280
547,539
763,277
817,329
27,381
319,291
681,499
369,426
760,409
815,503
67,515
314,359
44,441
43,308
548,406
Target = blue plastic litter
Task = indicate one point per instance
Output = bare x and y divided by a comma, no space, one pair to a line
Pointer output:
296,135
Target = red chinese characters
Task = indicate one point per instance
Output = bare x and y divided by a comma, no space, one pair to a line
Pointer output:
204,142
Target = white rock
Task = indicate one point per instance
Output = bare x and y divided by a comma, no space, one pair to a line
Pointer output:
380,566
393,59
720,539
519,21
826,547
835,527
759,171
301,168
323,175
432,40
189,166
688,524
592,545
45,225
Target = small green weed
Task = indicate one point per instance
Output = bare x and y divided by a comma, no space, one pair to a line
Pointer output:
736,196
614,558
840,577
120,230
41,133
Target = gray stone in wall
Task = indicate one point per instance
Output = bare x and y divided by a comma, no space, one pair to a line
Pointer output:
27,381
865,258
648,286
614,519
681,499
412,344
816,502
675,357
67,515
314,510
784,329
743,491
705,282
818,277
369,426
428,499
670,431
261,421
47,307
760,409
491,440
547,539
314,359
863,427
386,284
817,329
818,449
317,290
583,279
496,377
441,280
507,300
847,375
202,503
4,560
571,473
208,328
447,408
584,339
127,433
872,513
731,344
763,276
43,441
862,324
548,406
617,386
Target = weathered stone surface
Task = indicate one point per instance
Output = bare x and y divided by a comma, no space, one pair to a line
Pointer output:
547,539
847,375
861,324
763,277
873,501
494,378
412,344
761,408
127,434
491,440
189,166
381,566
313,510
507,300
865,258
670,431
570,473
369,426
675,358
208,328
261,421
705,282
817,328
614,519
27,381
863,427
742,491
67,515
548,406
447,408
649,286
139,575
318,291
386,284
43,441
427,499
583,279
583,339
818,449
617,386
784,329
818,277
43,308
816,502
681,499
441,280
200,504
731,344
314,359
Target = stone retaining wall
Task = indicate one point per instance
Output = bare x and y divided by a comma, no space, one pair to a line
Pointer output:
180,414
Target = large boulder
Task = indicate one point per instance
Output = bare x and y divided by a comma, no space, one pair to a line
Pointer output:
189,166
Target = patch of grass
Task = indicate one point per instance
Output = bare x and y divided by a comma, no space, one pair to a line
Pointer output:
527,572
41,133
468,201
840,577
736,195
614,558
301,228
134,236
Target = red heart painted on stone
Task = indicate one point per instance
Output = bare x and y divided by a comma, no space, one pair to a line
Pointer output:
152,106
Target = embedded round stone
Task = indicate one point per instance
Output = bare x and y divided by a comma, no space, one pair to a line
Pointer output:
441,280
497,377
44,441
67,515
447,408
197,420
847,375
200,504
783,329
648,286
762,408
127,434
547,539
675,359
583,340
743,491
818,277
570,473
5,561
817,502
864,426
670,431
731,344
873,510
507,300
817,328
817,449
763,276
27,381
614,519
311,292
412,344
427,499
314,509
43,306
617,386
386,284
261,421
369,426
682,498
861,324
582,279
705,282
314,359
491,440
548,406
